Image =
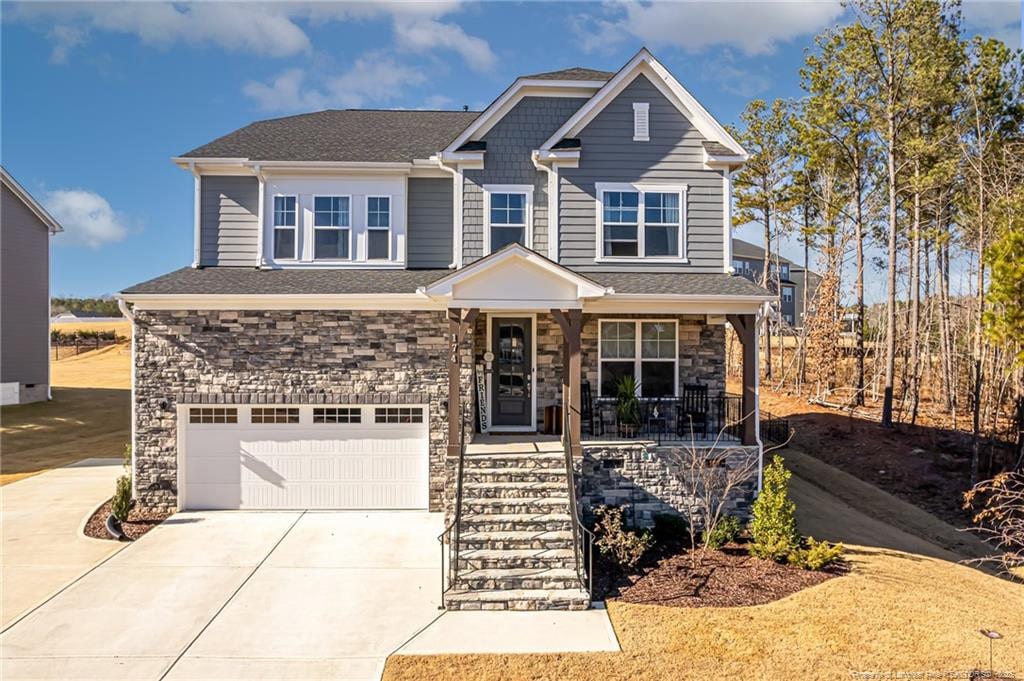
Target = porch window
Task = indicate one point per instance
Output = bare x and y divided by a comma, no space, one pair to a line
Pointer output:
507,219
641,221
643,349
331,227
285,226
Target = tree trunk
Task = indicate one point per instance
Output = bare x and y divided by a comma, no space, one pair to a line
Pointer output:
915,301
859,394
978,333
890,316
764,283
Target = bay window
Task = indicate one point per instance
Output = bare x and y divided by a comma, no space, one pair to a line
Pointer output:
638,221
644,349
331,227
285,226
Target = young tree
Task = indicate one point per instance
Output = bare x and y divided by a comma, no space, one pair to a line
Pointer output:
762,186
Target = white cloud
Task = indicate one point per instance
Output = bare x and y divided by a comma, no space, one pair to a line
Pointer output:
87,218
754,27
374,78
264,29
995,19
736,79
434,102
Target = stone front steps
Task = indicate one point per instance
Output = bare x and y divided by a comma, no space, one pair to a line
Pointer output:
516,540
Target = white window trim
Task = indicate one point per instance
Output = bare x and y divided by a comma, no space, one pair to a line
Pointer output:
642,189
644,109
391,205
637,358
527,190
313,228
790,291
295,227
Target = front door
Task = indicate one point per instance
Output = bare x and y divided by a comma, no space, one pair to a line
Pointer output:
511,372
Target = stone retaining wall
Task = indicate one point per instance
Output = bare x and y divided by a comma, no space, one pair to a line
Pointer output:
643,478
283,356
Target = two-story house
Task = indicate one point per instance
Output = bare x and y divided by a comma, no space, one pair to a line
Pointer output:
376,296
795,284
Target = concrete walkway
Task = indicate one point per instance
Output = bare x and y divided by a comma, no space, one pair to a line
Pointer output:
41,518
240,595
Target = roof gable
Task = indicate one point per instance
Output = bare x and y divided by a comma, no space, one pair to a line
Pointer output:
645,64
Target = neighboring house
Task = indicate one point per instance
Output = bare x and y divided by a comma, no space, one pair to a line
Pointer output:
748,260
69,317
363,278
25,230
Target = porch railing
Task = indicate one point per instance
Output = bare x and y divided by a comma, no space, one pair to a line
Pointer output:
774,429
669,420
452,533
582,538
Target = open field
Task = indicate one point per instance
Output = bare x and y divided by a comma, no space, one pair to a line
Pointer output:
895,612
89,416
121,328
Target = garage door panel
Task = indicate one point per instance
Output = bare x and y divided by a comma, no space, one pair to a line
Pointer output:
355,466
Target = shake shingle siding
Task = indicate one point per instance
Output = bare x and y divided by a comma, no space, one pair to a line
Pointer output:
229,226
430,222
609,154
507,161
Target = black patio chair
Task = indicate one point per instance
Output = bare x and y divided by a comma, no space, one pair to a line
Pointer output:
692,411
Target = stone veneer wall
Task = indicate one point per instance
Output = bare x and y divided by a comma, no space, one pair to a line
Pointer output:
642,478
283,356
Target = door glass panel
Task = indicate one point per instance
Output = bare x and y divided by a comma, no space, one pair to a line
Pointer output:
511,360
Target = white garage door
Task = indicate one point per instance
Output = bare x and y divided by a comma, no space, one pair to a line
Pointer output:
298,457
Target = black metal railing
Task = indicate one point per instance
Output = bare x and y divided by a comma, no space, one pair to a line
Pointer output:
774,429
451,535
582,538
669,420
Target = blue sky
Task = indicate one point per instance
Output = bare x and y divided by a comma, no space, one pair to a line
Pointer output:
96,99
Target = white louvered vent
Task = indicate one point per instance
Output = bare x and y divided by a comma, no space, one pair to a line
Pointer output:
641,122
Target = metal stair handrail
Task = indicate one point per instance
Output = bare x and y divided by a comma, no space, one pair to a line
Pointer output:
584,573
453,530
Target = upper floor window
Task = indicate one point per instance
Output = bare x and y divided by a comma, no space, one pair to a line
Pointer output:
787,294
285,226
785,270
641,222
332,227
508,216
378,227
740,266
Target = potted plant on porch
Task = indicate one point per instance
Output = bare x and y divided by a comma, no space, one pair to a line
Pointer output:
627,406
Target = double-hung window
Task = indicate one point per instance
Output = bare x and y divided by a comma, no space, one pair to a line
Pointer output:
378,227
286,215
507,216
641,222
787,294
643,349
332,227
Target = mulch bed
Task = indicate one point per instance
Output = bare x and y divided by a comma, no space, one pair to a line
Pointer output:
726,578
140,521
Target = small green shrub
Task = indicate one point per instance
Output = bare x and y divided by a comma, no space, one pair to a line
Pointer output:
623,546
121,503
816,555
669,526
773,528
726,530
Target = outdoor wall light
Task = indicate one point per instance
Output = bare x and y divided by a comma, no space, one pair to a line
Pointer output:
164,404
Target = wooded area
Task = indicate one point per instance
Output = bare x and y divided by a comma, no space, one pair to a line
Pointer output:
909,140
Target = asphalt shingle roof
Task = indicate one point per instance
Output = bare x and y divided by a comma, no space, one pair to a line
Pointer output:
251,281
745,249
574,73
352,135
718,149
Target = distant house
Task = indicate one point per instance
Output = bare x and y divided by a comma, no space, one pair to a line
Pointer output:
25,229
79,317
748,261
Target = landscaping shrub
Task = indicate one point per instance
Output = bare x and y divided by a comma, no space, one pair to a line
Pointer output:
121,503
816,555
669,526
623,546
726,530
773,528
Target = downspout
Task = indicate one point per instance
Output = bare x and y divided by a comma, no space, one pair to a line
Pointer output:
760,317
261,227
130,315
727,220
552,204
456,212
196,208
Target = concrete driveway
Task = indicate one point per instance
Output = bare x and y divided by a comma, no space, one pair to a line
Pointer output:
41,518
241,595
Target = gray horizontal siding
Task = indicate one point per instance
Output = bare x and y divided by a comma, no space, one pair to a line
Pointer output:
508,161
609,154
229,223
430,223
24,293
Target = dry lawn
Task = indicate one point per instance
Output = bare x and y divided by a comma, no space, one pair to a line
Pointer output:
89,415
122,328
894,612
